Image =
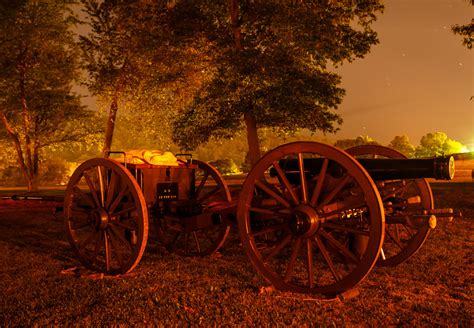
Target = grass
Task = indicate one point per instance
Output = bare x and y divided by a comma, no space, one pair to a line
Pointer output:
432,288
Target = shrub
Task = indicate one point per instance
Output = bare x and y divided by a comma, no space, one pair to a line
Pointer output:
226,166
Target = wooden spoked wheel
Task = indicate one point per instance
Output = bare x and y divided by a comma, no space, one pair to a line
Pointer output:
211,192
401,198
106,216
310,210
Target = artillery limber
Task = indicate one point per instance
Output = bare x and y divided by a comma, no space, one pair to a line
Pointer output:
312,218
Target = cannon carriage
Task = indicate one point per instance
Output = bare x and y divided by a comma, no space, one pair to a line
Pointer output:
311,217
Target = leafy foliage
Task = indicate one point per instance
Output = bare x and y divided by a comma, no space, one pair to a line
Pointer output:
403,145
137,63
38,64
466,31
280,75
360,140
437,144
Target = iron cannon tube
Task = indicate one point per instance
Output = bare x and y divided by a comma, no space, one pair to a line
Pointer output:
440,168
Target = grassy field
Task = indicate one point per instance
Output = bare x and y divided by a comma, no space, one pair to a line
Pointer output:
41,282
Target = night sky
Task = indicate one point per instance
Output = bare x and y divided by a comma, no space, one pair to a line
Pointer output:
419,79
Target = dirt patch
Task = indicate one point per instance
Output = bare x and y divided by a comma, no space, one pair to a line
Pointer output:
40,284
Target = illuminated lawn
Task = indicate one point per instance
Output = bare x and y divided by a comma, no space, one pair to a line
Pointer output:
434,287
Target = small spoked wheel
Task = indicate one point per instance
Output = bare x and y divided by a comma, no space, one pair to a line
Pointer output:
106,216
178,234
403,200
300,207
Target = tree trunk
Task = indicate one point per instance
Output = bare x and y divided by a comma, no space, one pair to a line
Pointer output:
109,133
250,123
31,185
252,138
234,17
28,158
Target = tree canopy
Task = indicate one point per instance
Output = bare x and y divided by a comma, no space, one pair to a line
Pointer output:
438,144
466,31
402,144
360,140
271,63
38,64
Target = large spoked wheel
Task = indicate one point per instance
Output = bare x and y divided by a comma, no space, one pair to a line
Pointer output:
106,216
401,198
311,199
212,193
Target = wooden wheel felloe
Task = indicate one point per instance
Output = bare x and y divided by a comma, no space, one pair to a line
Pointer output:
299,207
180,235
106,216
404,201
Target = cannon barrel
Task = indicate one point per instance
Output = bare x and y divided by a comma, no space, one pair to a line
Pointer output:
440,168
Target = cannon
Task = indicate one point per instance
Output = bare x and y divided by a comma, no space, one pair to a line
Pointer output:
312,218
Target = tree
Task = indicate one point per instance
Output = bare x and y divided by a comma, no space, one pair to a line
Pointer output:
437,144
466,31
271,59
108,57
38,64
360,140
137,63
403,145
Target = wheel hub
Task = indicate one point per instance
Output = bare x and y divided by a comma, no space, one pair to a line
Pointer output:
100,218
305,221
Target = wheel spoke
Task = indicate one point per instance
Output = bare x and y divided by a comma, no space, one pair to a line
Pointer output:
88,240
208,236
201,184
111,189
397,235
176,237
309,254
108,252
80,226
395,240
209,194
286,183
411,233
120,237
334,242
125,210
81,210
304,189
198,246
269,229
92,189
186,242
101,185
335,191
97,247
84,196
267,212
123,225
319,183
344,228
327,258
272,193
398,190
115,246
278,247
293,256
117,200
